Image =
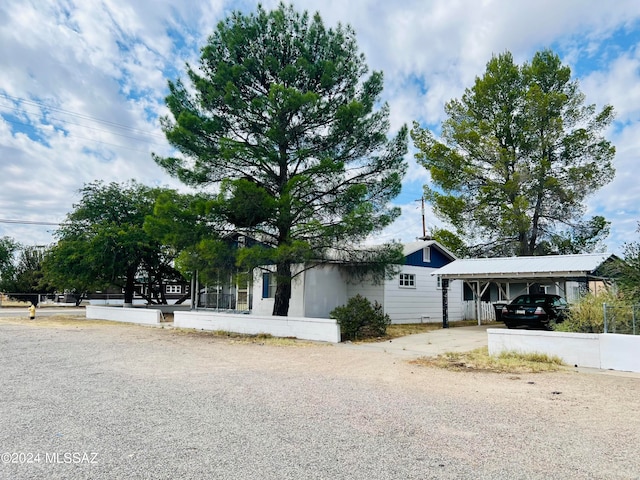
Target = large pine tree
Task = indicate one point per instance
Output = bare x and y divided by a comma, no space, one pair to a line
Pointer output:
282,116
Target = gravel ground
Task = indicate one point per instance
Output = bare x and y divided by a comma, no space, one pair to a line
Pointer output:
104,401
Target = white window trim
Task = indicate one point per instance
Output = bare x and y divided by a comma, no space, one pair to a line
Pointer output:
426,254
407,280
271,286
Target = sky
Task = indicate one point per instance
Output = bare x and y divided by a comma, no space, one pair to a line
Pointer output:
83,82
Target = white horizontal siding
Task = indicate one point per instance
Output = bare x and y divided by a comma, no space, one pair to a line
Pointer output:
422,303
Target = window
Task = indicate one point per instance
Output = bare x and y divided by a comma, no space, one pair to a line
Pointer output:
438,281
407,280
426,254
174,289
268,285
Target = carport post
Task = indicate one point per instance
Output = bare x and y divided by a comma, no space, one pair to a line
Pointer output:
478,304
445,303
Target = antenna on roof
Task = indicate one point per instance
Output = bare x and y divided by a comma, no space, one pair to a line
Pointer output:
424,227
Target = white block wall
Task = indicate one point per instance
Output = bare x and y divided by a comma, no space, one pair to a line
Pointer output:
603,350
140,316
320,329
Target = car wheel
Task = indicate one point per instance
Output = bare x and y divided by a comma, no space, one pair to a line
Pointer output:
510,324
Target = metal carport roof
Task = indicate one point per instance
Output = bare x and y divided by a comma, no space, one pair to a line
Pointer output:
520,268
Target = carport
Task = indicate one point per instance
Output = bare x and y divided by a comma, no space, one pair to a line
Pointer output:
479,273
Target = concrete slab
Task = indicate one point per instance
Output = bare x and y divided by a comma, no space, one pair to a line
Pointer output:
436,342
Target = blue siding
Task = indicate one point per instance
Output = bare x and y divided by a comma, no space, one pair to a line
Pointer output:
438,259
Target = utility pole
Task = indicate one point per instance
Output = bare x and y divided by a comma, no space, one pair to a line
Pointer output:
424,227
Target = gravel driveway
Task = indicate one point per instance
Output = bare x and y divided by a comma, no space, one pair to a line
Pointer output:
111,401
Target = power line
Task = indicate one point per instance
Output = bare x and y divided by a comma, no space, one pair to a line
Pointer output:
75,114
73,135
50,118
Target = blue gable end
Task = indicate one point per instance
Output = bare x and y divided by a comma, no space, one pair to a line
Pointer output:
438,258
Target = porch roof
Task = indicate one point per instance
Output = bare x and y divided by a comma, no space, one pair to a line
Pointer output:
520,268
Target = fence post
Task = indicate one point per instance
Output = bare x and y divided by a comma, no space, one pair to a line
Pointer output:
604,306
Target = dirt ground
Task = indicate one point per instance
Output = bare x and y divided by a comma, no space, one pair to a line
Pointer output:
567,424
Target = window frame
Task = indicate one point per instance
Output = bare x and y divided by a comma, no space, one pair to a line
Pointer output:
407,280
269,285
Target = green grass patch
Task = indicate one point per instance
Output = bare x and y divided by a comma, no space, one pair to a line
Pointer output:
506,362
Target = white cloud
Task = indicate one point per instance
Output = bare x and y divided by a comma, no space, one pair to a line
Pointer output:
110,60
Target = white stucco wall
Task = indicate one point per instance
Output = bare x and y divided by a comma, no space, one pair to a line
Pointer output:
594,350
264,306
324,290
141,316
319,329
374,293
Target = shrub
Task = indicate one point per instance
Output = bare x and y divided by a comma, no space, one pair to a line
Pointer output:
360,319
587,315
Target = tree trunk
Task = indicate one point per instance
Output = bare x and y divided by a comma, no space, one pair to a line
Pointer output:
283,290
129,287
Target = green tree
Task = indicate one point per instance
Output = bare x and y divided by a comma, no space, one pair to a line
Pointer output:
25,280
283,116
192,226
520,152
450,241
8,248
65,266
626,271
103,243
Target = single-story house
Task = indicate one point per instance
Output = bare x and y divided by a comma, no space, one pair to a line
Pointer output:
411,296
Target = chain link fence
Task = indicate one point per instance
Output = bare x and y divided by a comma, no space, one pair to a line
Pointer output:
621,319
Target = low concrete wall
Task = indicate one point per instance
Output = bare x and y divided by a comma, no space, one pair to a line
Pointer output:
169,308
140,316
620,352
594,350
321,329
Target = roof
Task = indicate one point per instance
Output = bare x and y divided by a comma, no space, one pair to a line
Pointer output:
412,247
551,266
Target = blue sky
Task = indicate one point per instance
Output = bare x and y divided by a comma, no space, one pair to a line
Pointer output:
82,84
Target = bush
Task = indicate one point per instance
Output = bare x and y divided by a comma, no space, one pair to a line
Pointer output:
360,319
587,315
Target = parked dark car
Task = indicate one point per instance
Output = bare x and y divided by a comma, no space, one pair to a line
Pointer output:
539,310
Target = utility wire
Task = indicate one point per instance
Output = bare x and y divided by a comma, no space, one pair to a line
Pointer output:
73,135
49,118
75,114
